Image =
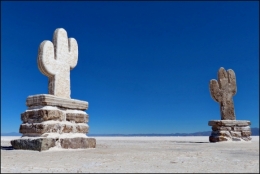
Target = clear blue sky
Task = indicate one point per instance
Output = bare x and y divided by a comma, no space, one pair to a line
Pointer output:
144,67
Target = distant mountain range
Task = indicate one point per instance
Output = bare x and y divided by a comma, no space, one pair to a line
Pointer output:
255,132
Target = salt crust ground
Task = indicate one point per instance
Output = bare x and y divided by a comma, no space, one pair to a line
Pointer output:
138,154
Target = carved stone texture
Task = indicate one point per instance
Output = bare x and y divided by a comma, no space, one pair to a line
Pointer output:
222,91
59,127
246,133
51,100
55,60
42,143
230,130
77,117
221,128
235,134
229,123
78,142
218,138
221,133
38,144
38,116
242,129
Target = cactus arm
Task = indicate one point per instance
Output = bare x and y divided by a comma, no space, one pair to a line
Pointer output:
46,61
214,90
73,53
222,78
60,41
232,81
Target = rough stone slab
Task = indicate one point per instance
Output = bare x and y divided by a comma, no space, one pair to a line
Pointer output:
38,116
38,144
240,129
246,133
229,123
78,142
214,139
77,117
218,139
60,127
222,138
235,134
221,133
221,128
42,143
51,100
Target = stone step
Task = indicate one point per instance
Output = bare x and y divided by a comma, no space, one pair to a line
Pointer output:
229,123
221,133
241,129
229,128
214,139
221,128
38,144
53,127
218,138
231,133
77,117
40,115
77,143
51,100
246,133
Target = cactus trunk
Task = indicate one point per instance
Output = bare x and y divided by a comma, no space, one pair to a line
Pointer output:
62,84
55,60
227,109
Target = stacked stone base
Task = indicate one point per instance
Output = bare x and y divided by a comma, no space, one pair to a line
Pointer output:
52,121
230,130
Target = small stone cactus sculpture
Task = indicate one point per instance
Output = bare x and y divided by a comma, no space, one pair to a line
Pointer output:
55,60
223,90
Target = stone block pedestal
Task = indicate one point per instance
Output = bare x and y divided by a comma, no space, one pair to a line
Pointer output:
230,130
52,121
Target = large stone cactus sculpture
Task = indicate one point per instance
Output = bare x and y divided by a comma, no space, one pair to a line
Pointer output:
56,59
223,90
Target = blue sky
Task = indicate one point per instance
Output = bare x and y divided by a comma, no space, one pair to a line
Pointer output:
144,67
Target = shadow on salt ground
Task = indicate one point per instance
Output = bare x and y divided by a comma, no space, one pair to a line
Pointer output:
189,142
7,148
